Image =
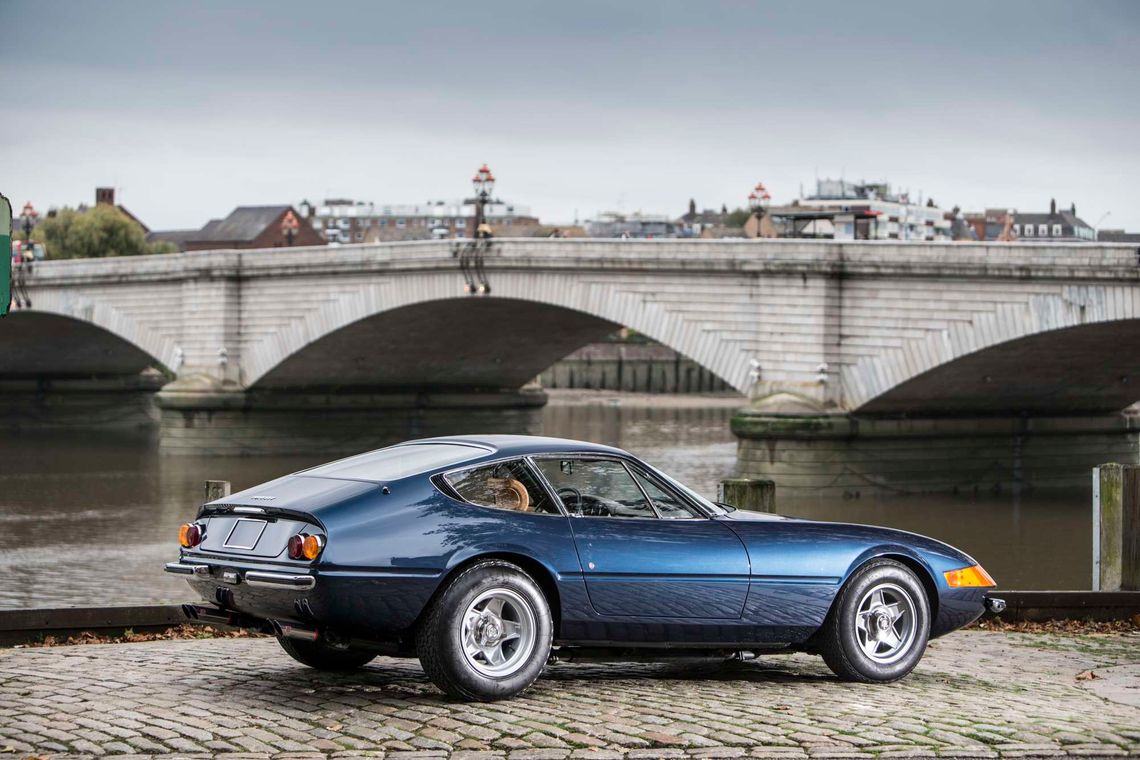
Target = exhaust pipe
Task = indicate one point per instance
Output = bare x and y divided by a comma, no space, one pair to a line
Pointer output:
216,616
288,631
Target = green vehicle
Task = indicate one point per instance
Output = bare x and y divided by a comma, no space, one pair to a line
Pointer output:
5,255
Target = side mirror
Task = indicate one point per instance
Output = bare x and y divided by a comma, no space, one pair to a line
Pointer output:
5,255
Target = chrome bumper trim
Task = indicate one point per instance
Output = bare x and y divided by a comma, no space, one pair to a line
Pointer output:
279,580
179,568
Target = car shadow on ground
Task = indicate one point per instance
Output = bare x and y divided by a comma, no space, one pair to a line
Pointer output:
403,679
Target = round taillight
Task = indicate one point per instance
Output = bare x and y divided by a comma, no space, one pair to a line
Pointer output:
189,535
312,546
295,547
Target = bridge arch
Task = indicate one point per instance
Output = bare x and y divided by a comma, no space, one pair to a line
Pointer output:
64,336
1070,351
527,323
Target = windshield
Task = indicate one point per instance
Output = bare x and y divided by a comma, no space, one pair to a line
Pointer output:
711,506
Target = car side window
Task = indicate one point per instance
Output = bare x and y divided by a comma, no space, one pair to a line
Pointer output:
504,485
595,487
668,505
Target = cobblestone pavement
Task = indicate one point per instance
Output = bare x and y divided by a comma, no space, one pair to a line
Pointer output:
976,694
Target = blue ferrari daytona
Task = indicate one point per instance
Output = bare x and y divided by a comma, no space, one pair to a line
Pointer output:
489,556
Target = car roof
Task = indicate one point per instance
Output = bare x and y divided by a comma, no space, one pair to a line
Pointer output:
398,461
523,445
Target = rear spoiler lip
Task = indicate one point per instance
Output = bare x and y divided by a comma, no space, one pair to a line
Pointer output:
218,510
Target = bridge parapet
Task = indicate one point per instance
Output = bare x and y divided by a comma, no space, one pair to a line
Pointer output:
868,258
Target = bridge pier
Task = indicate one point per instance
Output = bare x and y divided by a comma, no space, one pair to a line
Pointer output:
852,455
122,403
197,420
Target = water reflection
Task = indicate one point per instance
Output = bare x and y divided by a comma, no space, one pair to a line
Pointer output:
90,518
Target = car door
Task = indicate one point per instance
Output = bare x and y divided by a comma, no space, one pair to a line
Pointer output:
645,551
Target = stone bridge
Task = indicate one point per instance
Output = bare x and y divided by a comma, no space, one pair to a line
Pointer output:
869,366
875,328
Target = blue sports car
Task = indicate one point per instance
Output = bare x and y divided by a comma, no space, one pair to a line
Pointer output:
489,556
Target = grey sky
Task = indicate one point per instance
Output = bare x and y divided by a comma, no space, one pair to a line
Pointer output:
193,108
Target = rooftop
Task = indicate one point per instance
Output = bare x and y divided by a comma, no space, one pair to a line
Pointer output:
243,224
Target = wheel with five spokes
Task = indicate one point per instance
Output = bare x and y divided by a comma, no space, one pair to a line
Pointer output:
488,634
878,626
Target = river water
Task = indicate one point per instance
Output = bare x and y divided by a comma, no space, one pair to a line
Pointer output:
89,518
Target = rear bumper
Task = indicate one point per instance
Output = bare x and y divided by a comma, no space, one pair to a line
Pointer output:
237,576
377,604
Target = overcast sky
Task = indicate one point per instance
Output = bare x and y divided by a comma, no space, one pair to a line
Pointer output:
190,109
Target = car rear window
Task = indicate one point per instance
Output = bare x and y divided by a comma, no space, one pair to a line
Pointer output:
398,462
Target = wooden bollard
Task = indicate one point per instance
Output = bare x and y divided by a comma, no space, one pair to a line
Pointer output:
1116,527
217,489
753,494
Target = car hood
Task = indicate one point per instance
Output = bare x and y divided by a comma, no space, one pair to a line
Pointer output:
749,523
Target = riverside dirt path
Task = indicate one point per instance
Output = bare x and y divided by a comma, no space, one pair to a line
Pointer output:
976,694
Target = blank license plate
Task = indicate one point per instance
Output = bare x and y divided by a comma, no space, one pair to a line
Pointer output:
245,534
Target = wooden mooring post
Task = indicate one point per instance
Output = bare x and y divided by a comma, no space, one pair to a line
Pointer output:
1116,527
217,489
753,494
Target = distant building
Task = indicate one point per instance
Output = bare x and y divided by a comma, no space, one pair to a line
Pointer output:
842,210
341,220
178,238
991,224
707,223
635,225
1117,236
245,227
1053,226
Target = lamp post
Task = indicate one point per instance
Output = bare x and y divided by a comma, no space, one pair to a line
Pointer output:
29,215
483,183
1096,227
758,202
289,227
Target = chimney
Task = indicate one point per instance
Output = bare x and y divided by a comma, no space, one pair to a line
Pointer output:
104,196
1073,209
1052,207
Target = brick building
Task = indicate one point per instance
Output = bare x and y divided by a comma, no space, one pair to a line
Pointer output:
246,227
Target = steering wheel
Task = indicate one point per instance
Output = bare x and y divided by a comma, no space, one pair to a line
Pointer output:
584,505
577,508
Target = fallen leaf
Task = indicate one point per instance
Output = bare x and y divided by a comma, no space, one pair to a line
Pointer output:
1086,675
336,727
8,749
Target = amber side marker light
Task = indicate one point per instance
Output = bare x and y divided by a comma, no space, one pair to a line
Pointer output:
189,535
967,577
312,547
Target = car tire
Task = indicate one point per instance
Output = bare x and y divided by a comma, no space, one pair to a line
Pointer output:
877,629
324,657
488,634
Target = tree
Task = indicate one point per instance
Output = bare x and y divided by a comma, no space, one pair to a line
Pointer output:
94,233
737,217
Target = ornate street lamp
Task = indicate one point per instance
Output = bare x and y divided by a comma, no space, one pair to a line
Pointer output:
483,183
759,200
29,215
289,227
